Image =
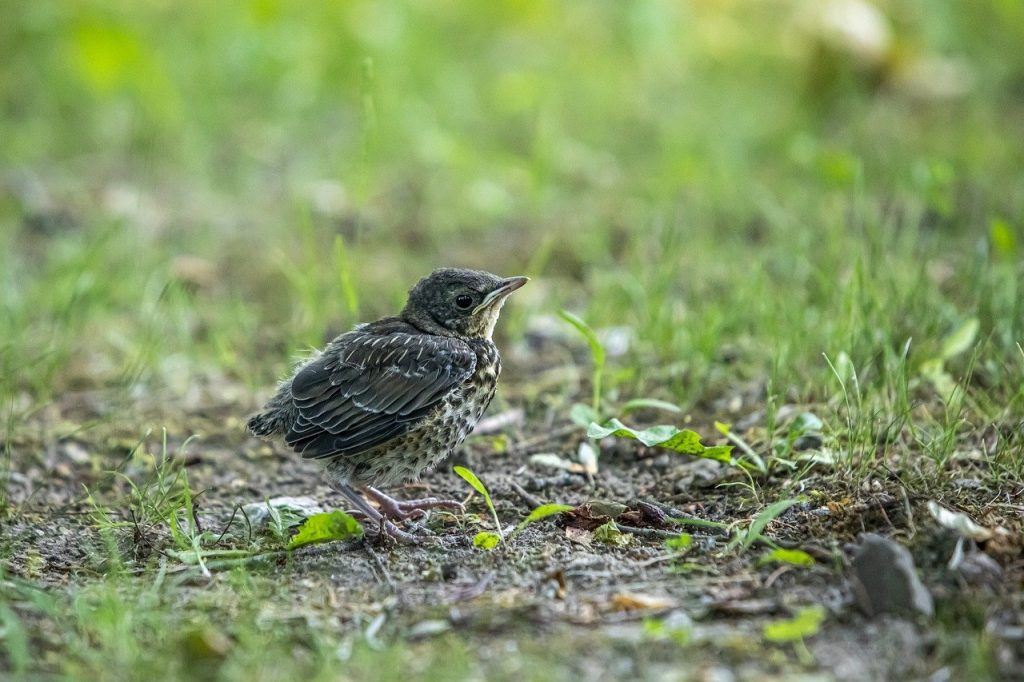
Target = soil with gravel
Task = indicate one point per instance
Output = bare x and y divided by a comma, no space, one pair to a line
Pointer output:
557,589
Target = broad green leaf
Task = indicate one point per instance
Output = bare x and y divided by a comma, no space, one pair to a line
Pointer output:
649,404
473,481
845,367
960,339
933,370
609,533
680,542
596,347
805,623
541,512
683,441
805,422
486,539
583,414
796,557
335,525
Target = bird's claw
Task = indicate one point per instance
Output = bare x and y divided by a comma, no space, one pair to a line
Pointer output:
372,530
400,510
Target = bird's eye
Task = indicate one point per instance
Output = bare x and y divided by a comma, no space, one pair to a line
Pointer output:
463,301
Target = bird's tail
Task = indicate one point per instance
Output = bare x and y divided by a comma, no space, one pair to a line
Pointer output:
265,423
277,416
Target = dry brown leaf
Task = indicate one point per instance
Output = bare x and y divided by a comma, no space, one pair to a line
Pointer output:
637,601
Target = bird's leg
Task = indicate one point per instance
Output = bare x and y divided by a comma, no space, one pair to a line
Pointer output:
405,509
373,515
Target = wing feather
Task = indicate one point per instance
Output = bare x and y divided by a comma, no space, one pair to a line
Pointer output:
367,388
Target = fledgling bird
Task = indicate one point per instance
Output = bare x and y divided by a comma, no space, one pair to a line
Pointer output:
392,398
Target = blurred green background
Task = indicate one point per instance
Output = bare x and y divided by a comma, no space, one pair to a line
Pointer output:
192,191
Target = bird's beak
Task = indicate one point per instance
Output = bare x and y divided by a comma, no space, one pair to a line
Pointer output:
507,287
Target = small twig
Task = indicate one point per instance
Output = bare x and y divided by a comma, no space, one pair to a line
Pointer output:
881,508
557,481
909,511
649,533
526,497
384,577
659,559
682,517
231,520
556,434
467,592
785,568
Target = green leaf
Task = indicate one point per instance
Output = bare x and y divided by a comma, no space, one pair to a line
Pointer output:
680,542
683,441
16,641
583,414
541,512
960,339
754,533
610,534
933,370
596,347
796,557
649,404
477,485
658,629
335,525
470,478
700,523
805,623
805,422
844,368
486,540
763,518
1002,238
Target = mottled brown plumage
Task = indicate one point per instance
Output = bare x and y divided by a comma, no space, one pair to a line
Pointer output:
392,398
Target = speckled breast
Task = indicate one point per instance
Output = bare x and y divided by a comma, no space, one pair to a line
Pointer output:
406,457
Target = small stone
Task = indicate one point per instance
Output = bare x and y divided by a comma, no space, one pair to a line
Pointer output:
885,580
429,628
979,570
968,483
302,507
74,452
716,674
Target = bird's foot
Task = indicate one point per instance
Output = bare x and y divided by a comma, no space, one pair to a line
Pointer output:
385,530
379,529
401,510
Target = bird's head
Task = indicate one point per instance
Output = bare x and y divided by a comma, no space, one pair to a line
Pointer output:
457,302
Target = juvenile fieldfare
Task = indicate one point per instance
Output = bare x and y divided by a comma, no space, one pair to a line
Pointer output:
394,397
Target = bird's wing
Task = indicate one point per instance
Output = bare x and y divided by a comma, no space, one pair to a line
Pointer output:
369,388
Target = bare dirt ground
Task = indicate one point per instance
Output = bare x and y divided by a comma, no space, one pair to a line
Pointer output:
555,596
